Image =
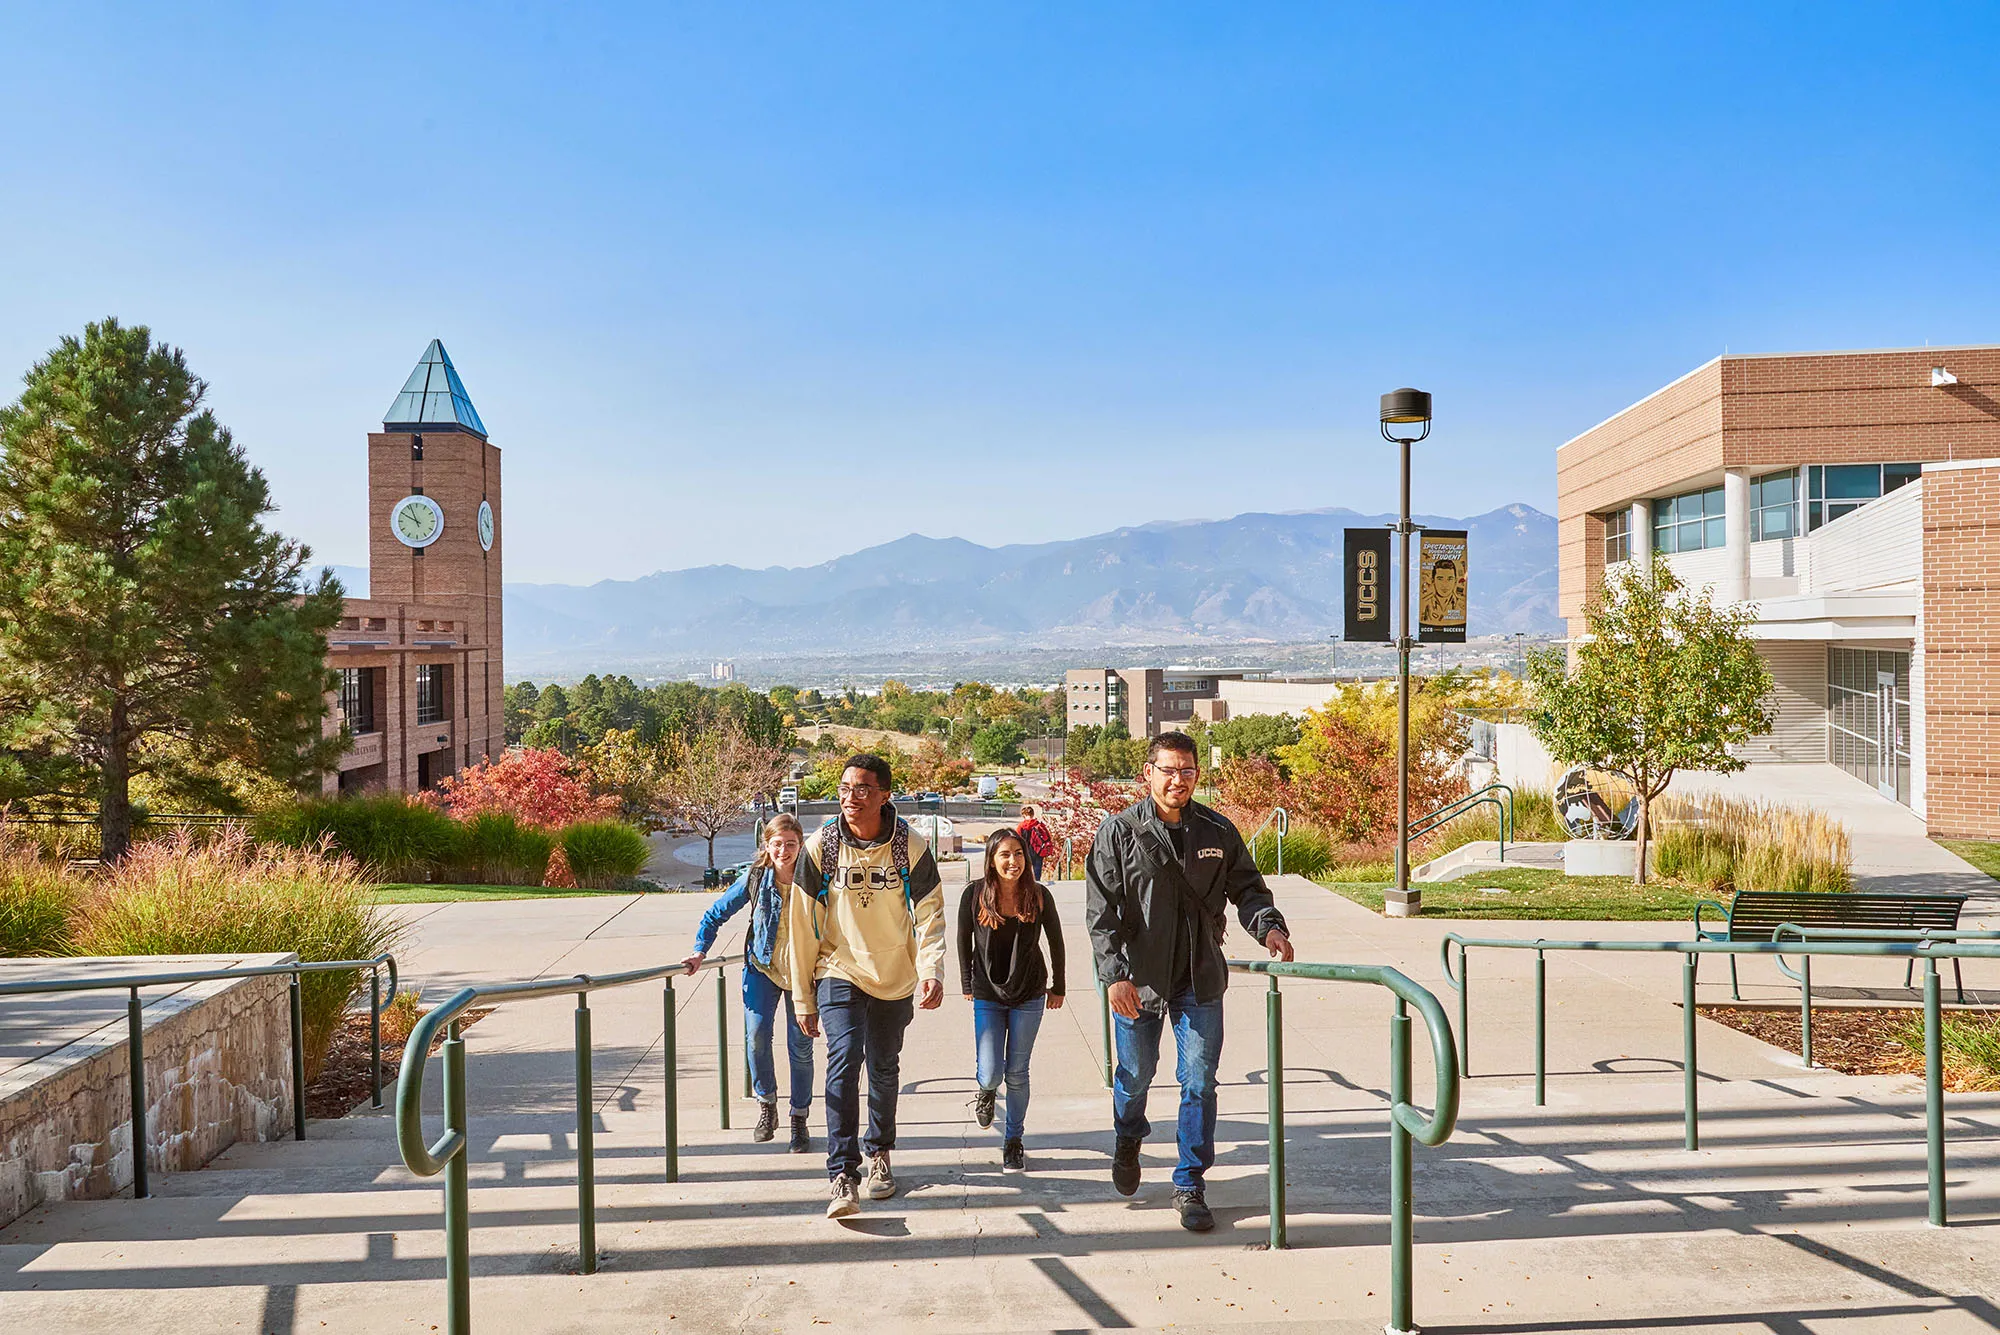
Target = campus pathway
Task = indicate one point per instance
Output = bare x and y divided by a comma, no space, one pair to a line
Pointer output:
1804,1211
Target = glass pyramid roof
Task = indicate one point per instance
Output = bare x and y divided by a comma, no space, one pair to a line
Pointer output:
434,398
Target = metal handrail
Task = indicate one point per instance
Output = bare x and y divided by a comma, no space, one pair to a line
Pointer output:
449,1152
135,1042
1929,951
1284,823
1407,1122
1459,806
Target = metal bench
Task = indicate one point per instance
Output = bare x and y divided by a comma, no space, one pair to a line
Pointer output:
1754,915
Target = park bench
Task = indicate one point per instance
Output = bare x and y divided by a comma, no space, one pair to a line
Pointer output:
1754,915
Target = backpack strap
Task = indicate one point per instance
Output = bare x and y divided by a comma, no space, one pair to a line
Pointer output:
899,848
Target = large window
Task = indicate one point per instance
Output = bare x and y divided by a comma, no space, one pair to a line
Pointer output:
357,699
1617,537
1774,505
1833,490
1689,522
1868,716
433,693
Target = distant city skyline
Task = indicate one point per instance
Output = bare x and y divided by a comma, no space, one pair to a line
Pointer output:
763,287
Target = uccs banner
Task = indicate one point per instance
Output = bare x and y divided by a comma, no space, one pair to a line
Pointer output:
1368,584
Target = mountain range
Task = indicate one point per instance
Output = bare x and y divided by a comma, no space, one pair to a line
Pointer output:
1254,578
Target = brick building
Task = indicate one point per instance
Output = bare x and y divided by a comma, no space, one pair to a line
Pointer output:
1854,498
419,658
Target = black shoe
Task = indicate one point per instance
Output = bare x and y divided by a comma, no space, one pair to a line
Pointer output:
1125,1165
982,1107
1195,1214
801,1142
1013,1157
767,1122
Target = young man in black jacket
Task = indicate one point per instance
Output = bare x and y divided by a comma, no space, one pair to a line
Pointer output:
1157,887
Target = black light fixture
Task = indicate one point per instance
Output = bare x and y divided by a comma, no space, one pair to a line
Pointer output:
1404,408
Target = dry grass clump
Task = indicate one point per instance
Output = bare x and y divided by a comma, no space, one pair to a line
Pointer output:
1971,1045
1726,843
38,899
230,895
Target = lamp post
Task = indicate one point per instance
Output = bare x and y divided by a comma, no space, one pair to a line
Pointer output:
1407,409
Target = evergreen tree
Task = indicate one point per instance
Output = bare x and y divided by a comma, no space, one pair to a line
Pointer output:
149,623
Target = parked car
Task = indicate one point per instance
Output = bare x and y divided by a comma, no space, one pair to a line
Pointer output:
989,785
787,798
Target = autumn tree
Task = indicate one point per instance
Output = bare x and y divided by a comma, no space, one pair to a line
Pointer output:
709,775
150,624
1663,680
934,769
1077,804
538,786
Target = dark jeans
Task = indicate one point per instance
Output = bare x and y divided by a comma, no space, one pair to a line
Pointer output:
859,1030
1198,1048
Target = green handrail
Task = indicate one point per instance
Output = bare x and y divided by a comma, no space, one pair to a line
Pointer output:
448,1153
1283,819
1407,1122
135,1040
1803,975
1929,951
1490,795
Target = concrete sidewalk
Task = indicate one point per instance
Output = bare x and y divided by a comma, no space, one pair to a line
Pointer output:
1804,1211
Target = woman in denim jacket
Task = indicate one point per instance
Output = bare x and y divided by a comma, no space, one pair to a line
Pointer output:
765,887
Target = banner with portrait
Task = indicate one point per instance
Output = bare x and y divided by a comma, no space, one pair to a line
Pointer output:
1441,586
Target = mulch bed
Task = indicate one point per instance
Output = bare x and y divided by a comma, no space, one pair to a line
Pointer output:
343,1083
1851,1040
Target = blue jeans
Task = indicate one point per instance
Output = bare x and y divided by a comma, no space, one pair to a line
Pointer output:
760,1021
860,1030
1003,1037
1198,1048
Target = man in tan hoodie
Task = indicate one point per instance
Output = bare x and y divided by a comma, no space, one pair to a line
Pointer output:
874,906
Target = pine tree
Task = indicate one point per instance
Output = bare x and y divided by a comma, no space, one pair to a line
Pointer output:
150,624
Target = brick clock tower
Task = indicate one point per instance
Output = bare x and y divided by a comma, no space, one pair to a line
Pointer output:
420,657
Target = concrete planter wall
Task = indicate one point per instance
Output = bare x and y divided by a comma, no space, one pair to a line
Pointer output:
1600,857
218,1070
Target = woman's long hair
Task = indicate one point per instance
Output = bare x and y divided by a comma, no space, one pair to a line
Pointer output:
784,820
989,883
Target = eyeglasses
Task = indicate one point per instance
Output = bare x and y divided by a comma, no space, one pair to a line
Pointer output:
1190,773
858,789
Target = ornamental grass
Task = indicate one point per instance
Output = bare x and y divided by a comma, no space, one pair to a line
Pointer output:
39,900
229,895
1726,843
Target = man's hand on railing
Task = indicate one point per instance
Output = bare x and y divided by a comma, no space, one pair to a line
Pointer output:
1124,998
1279,945
692,964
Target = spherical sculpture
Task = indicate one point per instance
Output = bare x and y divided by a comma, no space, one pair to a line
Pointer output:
1597,803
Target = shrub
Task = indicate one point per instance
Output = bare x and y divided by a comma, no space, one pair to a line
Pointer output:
1308,851
496,849
229,896
1362,869
38,900
558,876
392,838
603,852
1724,843
1970,1043
537,786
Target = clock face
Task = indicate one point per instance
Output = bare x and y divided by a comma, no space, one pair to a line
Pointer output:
417,521
486,525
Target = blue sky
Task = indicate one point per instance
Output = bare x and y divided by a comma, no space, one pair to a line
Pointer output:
764,284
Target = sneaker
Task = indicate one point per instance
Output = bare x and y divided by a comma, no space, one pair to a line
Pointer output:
1125,1165
1195,1214
982,1107
842,1200
1014,1158
801,1141
881,1182
767,1122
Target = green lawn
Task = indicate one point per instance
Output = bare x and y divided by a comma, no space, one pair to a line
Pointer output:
1535,892
440,894
1981,853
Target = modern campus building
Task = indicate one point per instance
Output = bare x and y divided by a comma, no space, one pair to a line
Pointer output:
1148,701
1854,498
419,658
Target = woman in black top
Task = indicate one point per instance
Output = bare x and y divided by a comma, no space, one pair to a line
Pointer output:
1001,921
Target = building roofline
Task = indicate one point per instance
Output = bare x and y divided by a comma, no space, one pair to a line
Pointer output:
1766,356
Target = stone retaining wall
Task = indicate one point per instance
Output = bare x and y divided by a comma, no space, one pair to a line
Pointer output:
218,1070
